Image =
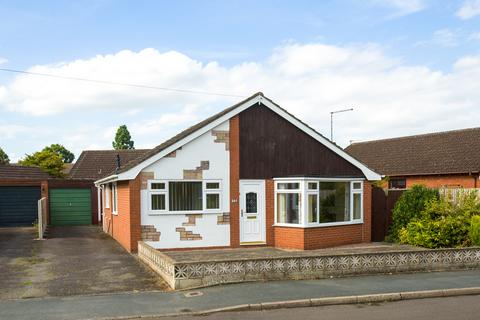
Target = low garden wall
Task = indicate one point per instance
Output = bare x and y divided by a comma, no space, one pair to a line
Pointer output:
206,273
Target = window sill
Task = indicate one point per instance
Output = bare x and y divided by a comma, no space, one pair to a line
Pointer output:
322,225
115,213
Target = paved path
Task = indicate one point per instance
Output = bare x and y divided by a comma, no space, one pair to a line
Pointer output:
155,303
73,261
465,308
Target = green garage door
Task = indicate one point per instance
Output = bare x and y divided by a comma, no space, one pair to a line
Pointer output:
18,206
70,207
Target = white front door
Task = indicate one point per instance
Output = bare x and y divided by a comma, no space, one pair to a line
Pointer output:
252,211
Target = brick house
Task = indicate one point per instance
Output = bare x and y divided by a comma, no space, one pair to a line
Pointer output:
251,175
445,159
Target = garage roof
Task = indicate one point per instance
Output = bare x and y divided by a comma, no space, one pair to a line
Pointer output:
18,172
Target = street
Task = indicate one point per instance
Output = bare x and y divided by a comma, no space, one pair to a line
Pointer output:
458,308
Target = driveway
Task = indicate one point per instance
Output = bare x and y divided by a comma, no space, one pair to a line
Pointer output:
73,261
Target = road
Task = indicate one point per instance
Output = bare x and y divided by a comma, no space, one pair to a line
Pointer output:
458,308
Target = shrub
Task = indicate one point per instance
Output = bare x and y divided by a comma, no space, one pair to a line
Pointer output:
443,223
409,206
474,231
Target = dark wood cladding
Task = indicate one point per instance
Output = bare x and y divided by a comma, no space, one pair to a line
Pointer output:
271,146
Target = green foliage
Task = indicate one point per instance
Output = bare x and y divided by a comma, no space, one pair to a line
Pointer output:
49,161
474,231
443,223
64,153
4,157
123,140
409,206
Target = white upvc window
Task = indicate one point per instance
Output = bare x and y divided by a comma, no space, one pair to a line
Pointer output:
107,196
180,196
328,202
114,198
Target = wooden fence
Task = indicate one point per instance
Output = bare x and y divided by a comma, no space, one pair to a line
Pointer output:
383,202
456,193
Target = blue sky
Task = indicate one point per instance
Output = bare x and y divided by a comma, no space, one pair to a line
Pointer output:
414,60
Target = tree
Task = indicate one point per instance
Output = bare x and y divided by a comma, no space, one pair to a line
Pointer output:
123,140
64,153
47,160
4,157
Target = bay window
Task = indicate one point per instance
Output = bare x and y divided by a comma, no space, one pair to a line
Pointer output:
327,202
184,196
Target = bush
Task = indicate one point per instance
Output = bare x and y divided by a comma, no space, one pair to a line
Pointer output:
474,231
410,206
443,223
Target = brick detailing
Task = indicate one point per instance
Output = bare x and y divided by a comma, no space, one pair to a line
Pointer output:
186,235
172,154
222,136
144,177
149,233
234,146
196,173
191,219
223,218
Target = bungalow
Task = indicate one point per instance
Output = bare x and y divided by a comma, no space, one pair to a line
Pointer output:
251,175
445,159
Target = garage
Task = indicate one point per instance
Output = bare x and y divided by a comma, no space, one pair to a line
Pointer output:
18,205
70,206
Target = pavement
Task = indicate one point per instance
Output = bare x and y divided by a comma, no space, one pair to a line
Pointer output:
165,303
465,308
73,261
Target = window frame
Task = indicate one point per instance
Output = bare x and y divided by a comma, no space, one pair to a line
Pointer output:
107,196
166,192
114,198
305,192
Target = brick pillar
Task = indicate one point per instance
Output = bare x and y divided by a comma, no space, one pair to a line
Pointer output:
234,145
270,211
367,212
135,213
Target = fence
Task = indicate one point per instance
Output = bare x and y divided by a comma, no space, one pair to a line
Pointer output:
383,202
42,217
455,194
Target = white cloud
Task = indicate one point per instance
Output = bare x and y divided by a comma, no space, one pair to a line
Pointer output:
11,131
390,97
469,9
403,7
3,60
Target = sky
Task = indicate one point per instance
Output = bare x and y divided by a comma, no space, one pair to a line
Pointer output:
405,67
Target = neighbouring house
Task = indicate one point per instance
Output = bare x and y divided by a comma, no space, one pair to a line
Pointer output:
445,159
251,175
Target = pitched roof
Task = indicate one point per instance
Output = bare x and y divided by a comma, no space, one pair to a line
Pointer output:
96,164
446,152
18,172
151,155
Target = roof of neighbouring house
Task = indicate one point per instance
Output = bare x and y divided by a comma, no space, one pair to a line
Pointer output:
96,164
449,152
229,112
18,172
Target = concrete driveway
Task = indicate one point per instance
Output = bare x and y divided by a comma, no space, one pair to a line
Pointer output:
73,261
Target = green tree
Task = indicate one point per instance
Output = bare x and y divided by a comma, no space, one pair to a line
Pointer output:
123,140
4,157
64,153
47,160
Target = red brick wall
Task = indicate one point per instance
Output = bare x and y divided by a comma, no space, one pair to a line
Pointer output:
270,212
234,182
465,181
367,212
125,225
289,238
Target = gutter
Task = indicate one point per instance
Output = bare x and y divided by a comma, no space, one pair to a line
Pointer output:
111,178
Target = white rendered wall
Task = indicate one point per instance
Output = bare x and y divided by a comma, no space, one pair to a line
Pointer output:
171,168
